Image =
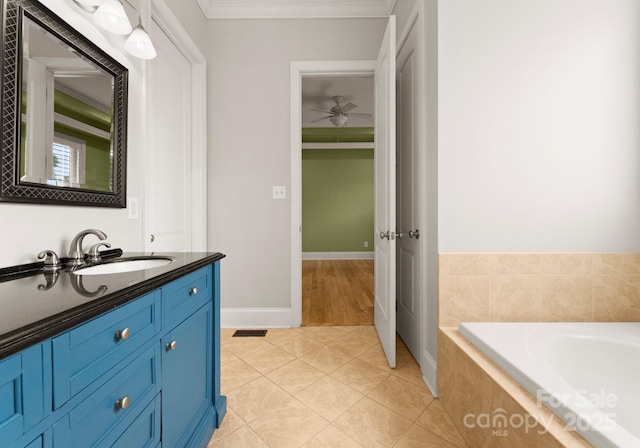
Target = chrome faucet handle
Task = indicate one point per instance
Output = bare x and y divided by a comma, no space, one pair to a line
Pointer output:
51,260
76,254
93,255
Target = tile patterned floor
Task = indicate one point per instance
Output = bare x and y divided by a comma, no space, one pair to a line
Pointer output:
315,387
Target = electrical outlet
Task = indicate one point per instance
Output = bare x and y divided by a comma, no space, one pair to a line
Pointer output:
280,192
366,244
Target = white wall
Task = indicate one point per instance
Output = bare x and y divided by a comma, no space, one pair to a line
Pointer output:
249,142
539,125
27,229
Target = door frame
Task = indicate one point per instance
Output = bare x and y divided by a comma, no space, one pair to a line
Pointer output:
298,70
169,24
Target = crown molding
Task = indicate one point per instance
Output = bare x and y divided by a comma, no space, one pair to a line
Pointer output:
295,9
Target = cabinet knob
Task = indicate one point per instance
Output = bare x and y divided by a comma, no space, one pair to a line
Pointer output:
193,291
171,345
123,403
122,335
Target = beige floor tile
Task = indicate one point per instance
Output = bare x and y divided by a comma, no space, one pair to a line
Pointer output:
372,424
436,420
269,359
418,437
410,371
350,328
274,334
331,437
354,345
243,437
402,397
360,375
329,397
376,357
295,376
288,425
365,331
243,347
326,358
230,423
226,357
325,335
256,398
298,344
236,374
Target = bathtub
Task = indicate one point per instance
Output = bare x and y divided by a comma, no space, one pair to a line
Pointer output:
588,374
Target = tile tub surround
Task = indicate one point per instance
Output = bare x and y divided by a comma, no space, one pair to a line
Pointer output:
546,287
328,387
471,386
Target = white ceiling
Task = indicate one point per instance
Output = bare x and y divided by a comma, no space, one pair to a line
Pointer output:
317,93
258,9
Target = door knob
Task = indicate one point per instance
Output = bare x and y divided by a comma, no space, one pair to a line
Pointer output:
384,235
399,235
415,234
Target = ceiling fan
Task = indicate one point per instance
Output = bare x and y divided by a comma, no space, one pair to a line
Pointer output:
339,113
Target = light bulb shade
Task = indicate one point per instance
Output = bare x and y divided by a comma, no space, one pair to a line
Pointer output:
338,120
139,44
112,17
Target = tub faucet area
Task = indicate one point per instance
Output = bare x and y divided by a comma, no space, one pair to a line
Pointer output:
76,253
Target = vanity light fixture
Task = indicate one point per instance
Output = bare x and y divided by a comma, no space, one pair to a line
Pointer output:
111,15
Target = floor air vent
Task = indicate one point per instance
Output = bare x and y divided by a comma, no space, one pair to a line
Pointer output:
249,333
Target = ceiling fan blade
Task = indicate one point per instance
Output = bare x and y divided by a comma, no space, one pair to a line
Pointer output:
357,114
321,110
347,107
320,119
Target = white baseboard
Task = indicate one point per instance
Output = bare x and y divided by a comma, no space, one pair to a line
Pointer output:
255,318
337,255
430,373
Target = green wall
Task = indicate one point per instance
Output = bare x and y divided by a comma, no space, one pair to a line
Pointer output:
337,200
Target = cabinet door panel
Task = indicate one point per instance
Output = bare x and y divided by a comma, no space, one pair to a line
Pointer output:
22,393
187,377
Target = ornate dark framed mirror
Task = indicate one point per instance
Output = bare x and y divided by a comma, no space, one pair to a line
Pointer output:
64,113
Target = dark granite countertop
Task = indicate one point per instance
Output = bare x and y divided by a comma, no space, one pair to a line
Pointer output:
34,307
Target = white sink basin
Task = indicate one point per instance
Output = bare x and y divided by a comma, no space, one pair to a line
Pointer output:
121,265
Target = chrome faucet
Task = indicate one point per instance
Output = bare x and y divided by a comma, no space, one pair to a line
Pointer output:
76,254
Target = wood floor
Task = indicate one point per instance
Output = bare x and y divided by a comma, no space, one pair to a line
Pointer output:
337,292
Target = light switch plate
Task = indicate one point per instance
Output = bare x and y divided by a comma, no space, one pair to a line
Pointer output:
133,208
280,192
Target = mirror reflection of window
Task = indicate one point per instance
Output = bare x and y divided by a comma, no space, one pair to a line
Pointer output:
66,165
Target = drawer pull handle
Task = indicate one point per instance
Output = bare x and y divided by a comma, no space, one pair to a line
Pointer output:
123,403
123,335
171,345
193,291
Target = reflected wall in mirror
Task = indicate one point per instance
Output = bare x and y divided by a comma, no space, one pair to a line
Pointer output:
63,114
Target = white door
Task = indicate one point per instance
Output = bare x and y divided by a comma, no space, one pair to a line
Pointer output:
168,167
408,144
385,193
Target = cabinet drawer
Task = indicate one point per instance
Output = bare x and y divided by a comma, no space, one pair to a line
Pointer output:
104,416
84,353
22,393
182,297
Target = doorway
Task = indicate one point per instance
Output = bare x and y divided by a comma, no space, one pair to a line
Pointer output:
337,200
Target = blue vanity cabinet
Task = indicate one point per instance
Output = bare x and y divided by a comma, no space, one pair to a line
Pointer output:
25,392
144,375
